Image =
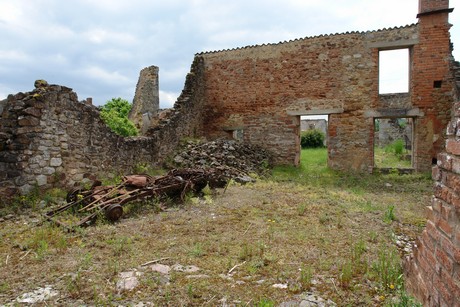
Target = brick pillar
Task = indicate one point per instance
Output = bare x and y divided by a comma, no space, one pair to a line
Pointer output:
431,80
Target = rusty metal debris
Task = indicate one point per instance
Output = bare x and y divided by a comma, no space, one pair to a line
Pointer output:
109,200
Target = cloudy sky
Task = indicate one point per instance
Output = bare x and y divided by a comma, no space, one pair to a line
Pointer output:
98,47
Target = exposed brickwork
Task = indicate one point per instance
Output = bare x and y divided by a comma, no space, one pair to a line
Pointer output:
433,271
263,90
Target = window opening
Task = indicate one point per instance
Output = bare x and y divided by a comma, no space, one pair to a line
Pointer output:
394,71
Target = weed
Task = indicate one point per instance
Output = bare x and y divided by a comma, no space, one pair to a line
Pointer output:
389,215
190,291
120,245
324,218
141,168
387,269
113,267
306,275
74,284
263,302
246,252
301,208
373,236
405,300
86,261
197,250
346,274
3,287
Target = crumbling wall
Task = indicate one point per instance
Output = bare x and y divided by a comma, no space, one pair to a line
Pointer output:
432,273
146,100
261,91
264,89
49,138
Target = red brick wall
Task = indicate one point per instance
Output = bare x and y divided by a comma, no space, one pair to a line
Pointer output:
433,271
263,89
431,62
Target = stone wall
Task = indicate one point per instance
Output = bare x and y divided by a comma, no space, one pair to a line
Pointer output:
261,91
433,271
49,138
146,102
392,129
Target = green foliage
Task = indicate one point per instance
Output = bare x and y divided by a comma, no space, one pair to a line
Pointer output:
115,115
389,215
312,139
387,270
397,147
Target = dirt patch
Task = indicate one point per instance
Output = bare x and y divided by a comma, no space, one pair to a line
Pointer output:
267,242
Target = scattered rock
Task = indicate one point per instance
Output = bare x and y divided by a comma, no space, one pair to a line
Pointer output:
37,296
236,157
309,300
128,281
185,269
161,268
280,286
404,243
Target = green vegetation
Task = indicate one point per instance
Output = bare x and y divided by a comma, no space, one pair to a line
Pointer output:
392,156
312,139
115,115
308,228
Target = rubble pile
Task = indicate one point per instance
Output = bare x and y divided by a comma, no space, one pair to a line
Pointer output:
235,158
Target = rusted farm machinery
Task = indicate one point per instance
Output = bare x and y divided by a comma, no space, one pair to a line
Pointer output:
109,200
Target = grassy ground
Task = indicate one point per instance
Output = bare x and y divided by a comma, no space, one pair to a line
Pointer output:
309,228
387,158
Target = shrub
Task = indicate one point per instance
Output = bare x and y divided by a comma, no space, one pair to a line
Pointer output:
397,148
115,115
312,139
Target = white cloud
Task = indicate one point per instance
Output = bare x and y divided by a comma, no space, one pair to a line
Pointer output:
167,99
99,47
102,75
104,36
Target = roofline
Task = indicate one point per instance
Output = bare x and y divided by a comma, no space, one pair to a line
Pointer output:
304,38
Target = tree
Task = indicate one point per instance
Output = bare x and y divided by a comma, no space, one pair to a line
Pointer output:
115,115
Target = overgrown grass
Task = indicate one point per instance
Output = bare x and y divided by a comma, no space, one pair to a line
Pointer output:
392,156
308,228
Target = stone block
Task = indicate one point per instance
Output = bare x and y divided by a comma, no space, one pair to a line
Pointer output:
41,180
48,170
55,162
28,121
33,111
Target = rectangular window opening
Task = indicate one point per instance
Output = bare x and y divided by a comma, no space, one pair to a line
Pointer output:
393,143
394,71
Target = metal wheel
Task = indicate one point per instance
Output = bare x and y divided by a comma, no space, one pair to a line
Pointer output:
113,212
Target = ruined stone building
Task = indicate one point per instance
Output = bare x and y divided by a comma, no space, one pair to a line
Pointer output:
257,94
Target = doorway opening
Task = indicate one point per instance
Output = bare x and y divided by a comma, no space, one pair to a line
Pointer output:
393,142
313,142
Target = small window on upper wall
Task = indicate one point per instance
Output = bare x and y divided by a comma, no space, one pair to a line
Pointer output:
394,71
